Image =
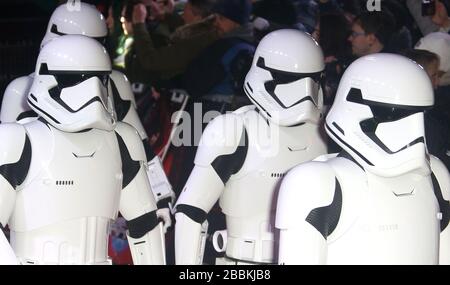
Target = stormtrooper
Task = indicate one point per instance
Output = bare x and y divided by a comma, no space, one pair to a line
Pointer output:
86,20
66,19
65,176
383,200
243,155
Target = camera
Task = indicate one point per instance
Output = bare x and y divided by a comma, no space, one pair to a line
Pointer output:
428,7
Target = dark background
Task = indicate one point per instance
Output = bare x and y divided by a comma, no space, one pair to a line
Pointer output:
22,26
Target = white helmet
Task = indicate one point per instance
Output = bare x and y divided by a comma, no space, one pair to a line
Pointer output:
377,115
284,81
80,19
438,43
70,88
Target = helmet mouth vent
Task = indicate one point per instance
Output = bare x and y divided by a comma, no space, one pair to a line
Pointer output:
369,127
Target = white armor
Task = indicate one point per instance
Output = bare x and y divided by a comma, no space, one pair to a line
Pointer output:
383,200
126,110
243,156
63,178
87,20
8,257
84,19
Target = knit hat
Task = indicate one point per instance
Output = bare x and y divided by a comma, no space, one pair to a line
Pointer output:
236,10
438,43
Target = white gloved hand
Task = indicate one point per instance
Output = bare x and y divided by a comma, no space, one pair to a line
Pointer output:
164,215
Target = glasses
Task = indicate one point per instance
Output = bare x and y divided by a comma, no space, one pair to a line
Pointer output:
357,34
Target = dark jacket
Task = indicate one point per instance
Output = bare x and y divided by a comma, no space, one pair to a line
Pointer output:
170,60
205,26
221,68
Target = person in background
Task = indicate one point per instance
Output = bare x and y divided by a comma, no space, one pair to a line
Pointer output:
198,19
429,61
437,119
331,33
172,59
429,24
215,77
436,131
442,19
439,43
371,32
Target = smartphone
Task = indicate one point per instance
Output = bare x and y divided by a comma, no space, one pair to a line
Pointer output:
428,7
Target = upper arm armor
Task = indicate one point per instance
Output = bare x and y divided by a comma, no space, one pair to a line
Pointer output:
125,103
132,141
223,145
15,153
219,156
15,99
124,87
136,198
15,159
310,192
131,150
